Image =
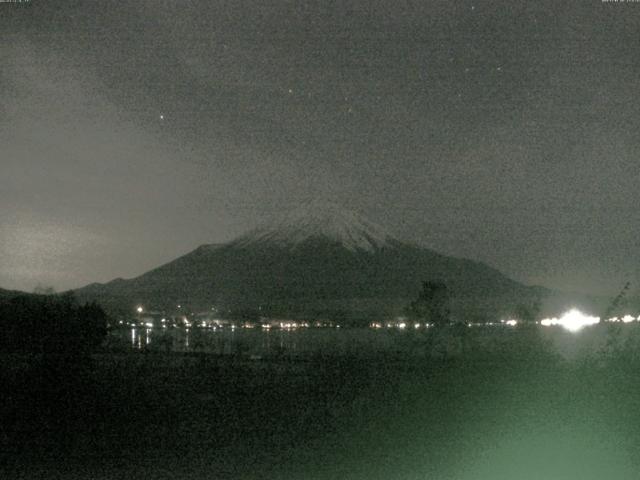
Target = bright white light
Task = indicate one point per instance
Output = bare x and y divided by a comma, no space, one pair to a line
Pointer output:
402,325
628,319
139,309
573,320
511,323
417,325
149,324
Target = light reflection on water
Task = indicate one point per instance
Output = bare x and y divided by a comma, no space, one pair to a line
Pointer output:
260,342
332,341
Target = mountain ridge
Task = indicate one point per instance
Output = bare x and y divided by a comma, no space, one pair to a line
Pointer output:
314,263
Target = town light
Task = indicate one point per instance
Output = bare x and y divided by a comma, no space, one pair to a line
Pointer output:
573,320
628,319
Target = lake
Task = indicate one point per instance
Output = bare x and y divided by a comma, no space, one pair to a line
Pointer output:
453,341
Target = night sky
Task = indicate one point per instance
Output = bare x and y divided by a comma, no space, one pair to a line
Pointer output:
133,131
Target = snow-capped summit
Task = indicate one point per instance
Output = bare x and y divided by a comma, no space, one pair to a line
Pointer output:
318,261
316,220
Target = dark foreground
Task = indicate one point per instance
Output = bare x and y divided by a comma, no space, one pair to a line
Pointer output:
520,414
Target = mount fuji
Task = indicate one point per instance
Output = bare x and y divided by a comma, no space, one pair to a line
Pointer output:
317,261
321,221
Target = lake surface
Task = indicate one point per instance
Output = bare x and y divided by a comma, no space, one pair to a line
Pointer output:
257,342
262,342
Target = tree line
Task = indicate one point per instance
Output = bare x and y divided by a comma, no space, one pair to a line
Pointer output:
50,324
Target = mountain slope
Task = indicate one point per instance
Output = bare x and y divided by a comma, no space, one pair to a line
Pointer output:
314,262
6,294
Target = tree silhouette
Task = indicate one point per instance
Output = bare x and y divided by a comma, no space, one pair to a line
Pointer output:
617,302
432,304
50,324
528,312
